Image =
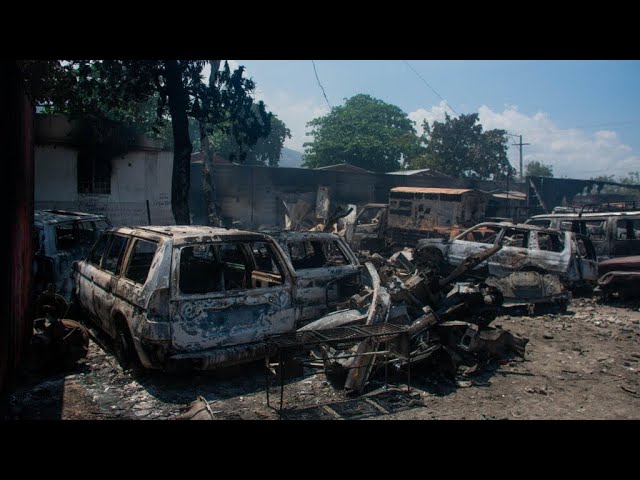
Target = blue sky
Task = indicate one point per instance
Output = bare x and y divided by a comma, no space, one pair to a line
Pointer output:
582,117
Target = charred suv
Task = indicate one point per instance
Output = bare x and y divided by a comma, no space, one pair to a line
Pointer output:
201,298
523,248
62,237
194,297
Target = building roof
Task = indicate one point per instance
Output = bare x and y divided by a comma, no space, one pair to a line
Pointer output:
511,195
424,172
344,167
442,191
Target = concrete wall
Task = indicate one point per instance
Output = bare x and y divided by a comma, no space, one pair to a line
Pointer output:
143,174
253,195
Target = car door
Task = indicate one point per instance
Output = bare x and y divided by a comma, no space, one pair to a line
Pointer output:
105,279
585,257
626,241
550,251
474,240
222,297
132,290
514,254
325,269
86,273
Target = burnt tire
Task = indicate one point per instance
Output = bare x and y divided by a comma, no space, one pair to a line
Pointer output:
431,258
123,348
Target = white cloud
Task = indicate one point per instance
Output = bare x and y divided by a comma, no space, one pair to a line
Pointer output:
435,114
295,113
206,71
572,152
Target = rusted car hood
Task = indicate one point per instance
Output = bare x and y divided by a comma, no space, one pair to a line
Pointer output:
626,264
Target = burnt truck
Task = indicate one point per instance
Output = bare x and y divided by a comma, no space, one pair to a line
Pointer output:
414,213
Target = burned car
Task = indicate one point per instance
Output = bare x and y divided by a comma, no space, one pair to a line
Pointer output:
195,297
619,276
524,248
327,271
613,234
61,237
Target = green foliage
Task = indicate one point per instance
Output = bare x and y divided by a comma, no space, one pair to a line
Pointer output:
632,178
266,151
538,169
365,132
459,147
134,92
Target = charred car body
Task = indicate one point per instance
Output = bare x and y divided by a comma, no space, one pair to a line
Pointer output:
414,213
326,269
532,263
613,234
62,237
201,297
620,276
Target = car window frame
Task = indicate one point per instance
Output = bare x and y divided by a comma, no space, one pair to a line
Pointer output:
129,254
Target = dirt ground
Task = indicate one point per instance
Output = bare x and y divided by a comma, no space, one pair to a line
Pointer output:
584,364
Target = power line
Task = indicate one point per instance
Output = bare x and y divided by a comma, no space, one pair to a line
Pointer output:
432,89
323,93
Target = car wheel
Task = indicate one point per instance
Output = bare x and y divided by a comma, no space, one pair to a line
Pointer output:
123,348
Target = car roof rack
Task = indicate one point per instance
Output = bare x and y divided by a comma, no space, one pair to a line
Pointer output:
600,207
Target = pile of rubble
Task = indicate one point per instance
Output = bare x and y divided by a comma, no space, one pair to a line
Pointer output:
446,322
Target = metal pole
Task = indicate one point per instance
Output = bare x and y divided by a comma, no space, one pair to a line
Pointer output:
520,157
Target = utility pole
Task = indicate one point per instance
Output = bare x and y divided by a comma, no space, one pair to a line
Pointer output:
520,145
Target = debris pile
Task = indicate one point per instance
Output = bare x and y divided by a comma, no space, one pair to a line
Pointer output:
57,342
447,323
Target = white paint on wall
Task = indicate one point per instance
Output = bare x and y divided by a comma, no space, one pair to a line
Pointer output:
135,178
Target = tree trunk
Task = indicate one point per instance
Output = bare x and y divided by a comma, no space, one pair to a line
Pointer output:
178,102
208,187
207,179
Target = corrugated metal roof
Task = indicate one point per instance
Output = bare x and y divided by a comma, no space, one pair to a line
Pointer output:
445,191
511,195
344,167
423,172
409,172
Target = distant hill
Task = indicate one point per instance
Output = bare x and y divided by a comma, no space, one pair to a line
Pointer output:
290,158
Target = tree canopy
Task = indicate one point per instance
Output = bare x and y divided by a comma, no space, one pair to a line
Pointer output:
459,147
538,169
266,151
365,132
124,90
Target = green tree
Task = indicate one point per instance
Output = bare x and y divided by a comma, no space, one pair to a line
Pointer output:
538,169
459,147
365,132
122,89
632,178
266,151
